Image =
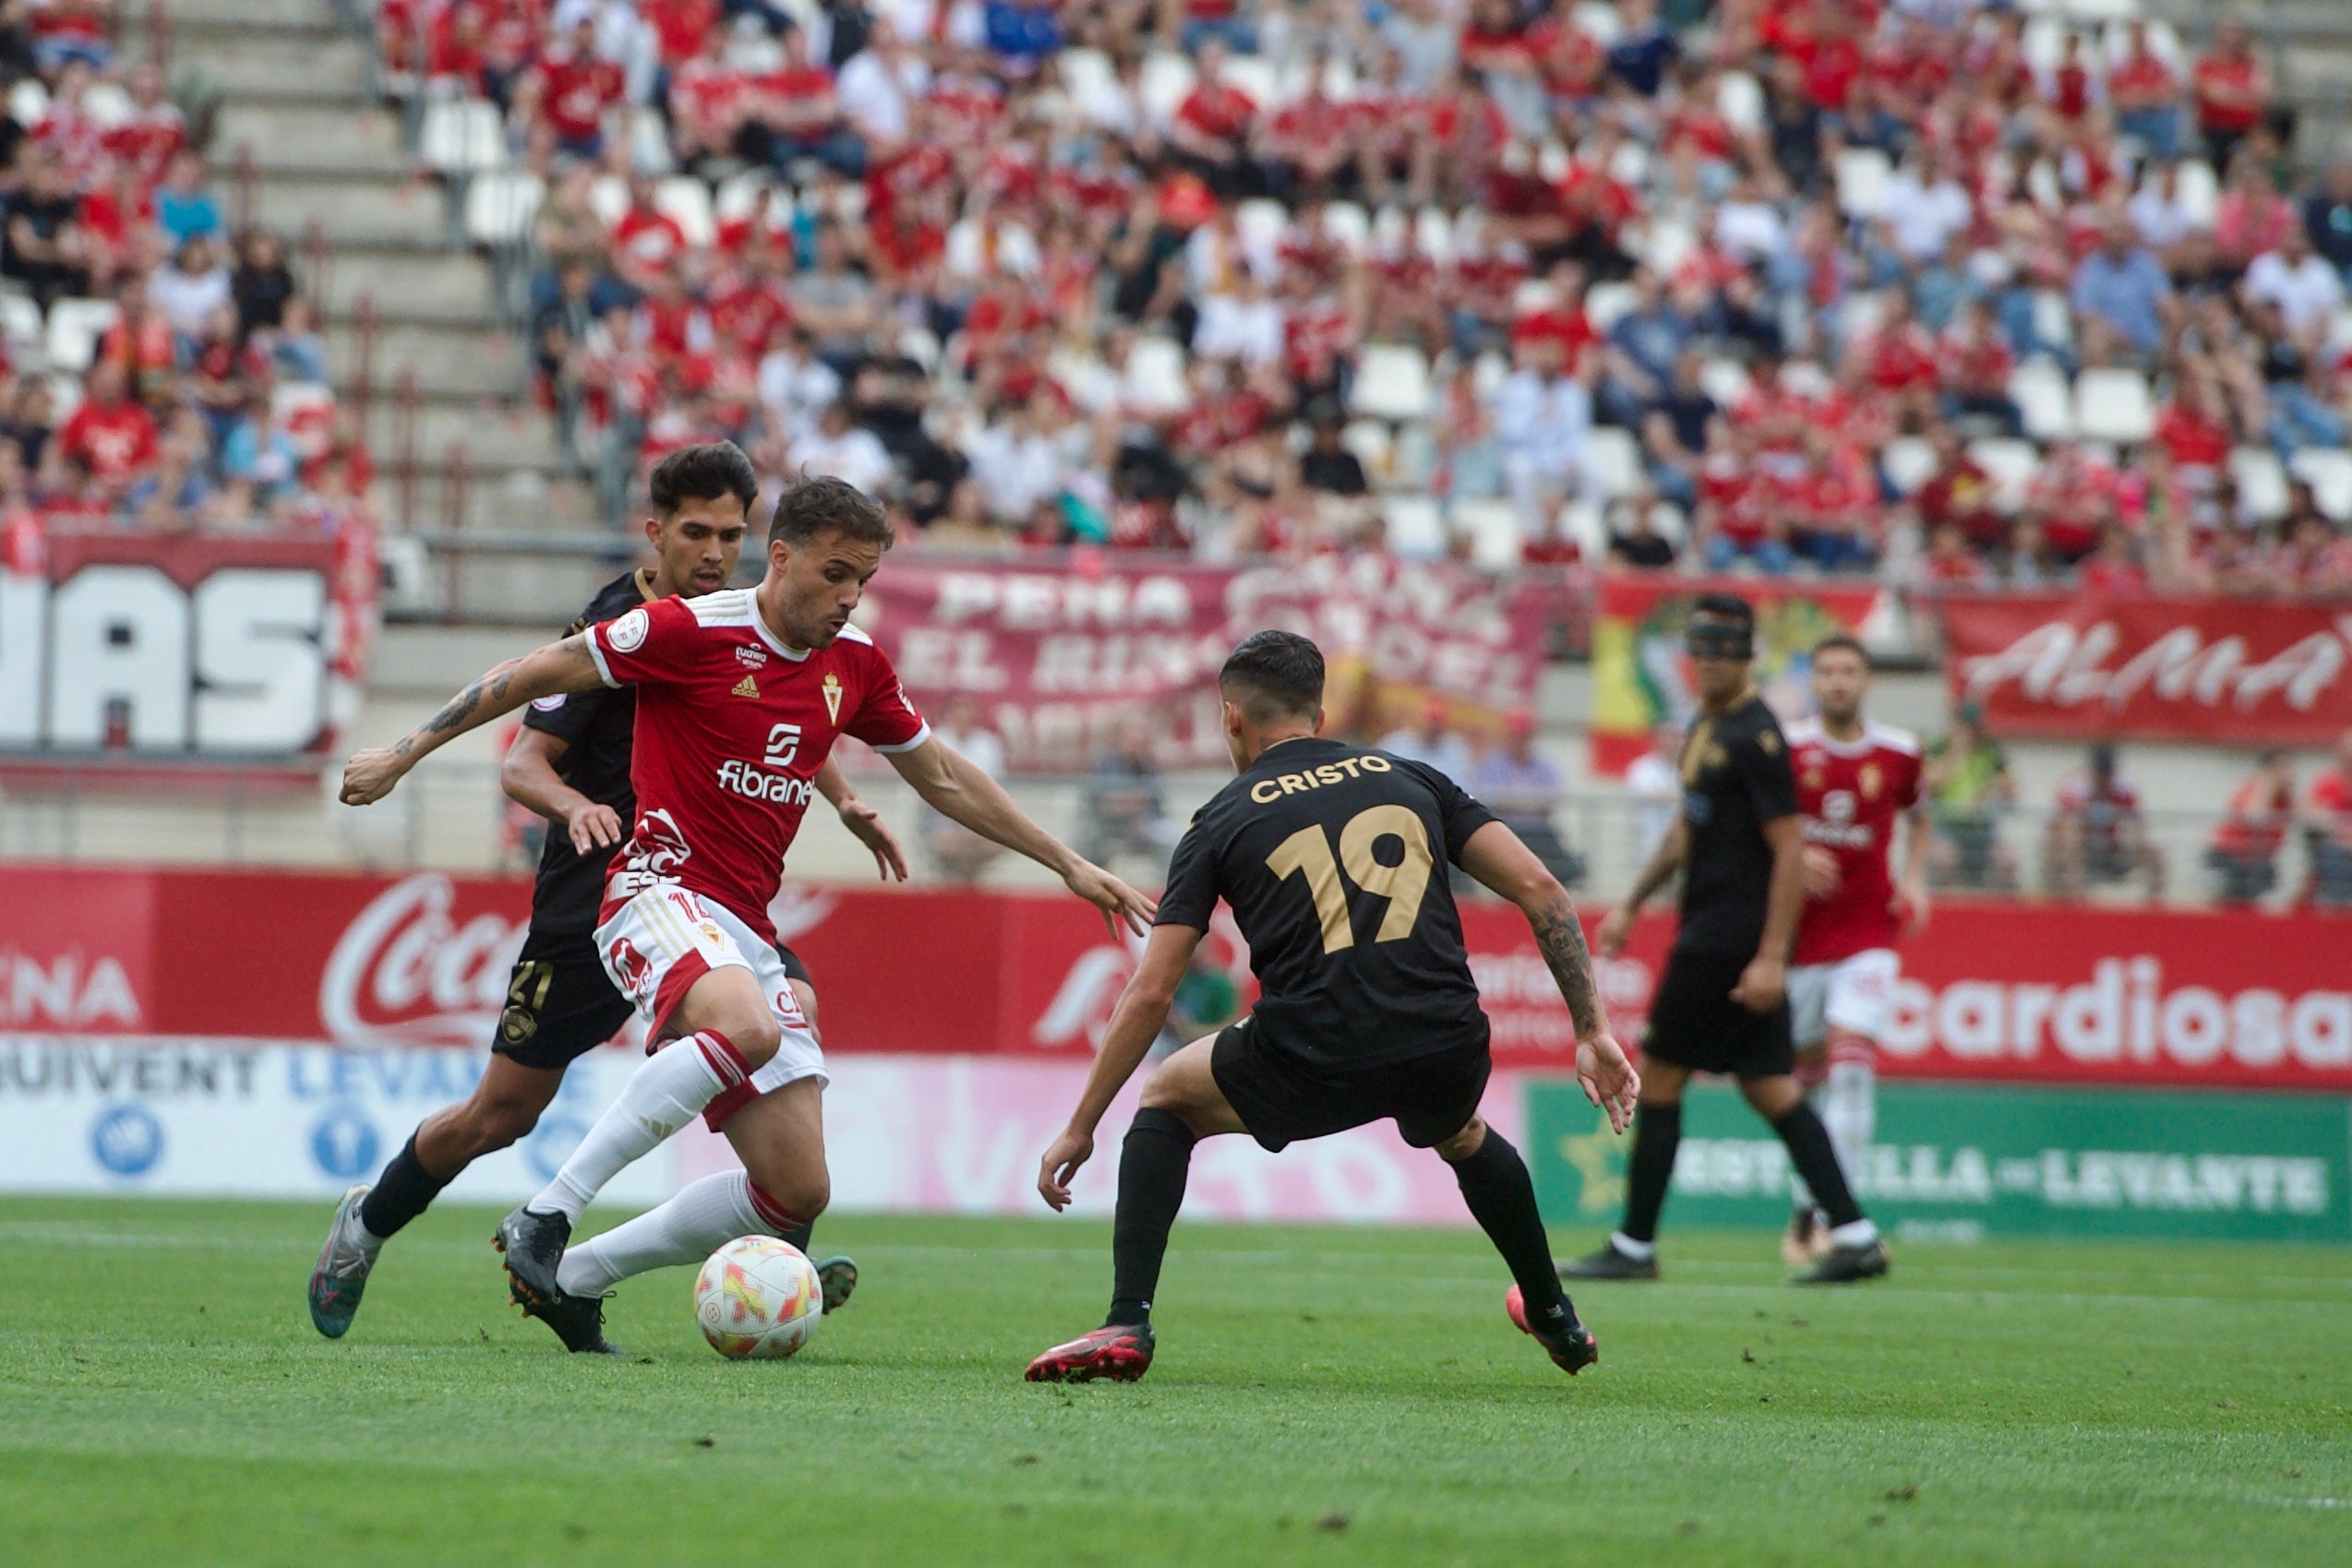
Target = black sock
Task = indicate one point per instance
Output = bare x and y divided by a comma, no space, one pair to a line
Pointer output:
404,1190
797,1235
1153,1164
1502,1199
1816,1159
1657,1133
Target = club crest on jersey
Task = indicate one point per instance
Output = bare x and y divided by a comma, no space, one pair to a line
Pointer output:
1871,781
833,697
747,686
752,656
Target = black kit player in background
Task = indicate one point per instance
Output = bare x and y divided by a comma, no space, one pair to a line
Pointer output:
570,765
1332,856
1722,1004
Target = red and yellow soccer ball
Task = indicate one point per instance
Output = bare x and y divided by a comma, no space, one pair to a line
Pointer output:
758,1299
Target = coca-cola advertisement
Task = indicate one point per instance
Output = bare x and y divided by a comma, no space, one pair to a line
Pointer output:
2141,666
1992,990
1054,661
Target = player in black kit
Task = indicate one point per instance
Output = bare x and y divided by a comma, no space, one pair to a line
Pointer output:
570,764
1333,858
1722,1004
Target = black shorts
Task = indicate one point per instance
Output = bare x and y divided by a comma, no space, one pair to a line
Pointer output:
562,1005
1694,1023
1281,1099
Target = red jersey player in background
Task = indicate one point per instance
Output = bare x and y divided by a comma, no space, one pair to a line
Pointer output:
741,696
1854,779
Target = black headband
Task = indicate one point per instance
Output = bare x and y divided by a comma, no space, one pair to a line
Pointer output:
1719,640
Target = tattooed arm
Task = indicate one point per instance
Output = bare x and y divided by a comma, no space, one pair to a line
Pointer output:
1495,857
544,672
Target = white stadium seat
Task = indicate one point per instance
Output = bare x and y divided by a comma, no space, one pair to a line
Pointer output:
685,202
2010,465
461,135
1725,381
20,323
75,327
1862,175
1909,462
608,198
2328,470
1415,525
108,105
1375,447
499,205
1346,226
1611,461
1254,74
1740,100
2200,192
2039,390
2261,484
1493,530
1156,373
1392,382
2113,405
1166,80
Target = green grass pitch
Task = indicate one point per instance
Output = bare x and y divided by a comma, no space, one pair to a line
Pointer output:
1322,1396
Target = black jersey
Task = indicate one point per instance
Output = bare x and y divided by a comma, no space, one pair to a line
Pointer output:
1334,859
599,726
1735,779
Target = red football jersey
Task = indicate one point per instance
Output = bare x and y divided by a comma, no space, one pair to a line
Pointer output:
1850,794
732,727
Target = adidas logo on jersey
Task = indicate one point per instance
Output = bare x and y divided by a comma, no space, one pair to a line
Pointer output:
747,686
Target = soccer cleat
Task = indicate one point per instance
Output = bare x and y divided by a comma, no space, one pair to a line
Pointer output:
1120,1352
838,1276
1610,1264
1571,1350
534,1243
579,1322
1800,1239
340,1275
1844,1265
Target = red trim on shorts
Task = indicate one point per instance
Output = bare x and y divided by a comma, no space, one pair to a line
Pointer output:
672,991
729,1101
772,1213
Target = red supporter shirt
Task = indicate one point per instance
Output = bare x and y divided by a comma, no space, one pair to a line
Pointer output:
1213,109
117,441
732,727
2236,75
681,25
2191,440
1850,794
652,240
575,94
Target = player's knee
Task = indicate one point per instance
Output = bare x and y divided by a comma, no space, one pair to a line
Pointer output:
1465,1143
755,1037
500,1124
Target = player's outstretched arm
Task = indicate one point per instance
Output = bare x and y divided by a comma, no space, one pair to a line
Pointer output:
1673,847
528,775
544,672
1135,1022
863,821
1498,859
962,794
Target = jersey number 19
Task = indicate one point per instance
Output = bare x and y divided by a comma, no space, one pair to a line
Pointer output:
1308,851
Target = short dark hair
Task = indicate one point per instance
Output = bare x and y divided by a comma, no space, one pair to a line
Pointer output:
822,504
1725,608
1274,675
702,473
1842,641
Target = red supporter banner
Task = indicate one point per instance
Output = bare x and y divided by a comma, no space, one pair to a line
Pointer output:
123,651
1642,678
1993,991
2075,666
1054,659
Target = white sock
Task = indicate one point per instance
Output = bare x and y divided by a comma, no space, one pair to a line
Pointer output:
1640,1251
663,1096
704,1216
1850,1111
1861,1233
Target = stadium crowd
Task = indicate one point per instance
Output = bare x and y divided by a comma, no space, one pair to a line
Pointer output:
1933,290
156,369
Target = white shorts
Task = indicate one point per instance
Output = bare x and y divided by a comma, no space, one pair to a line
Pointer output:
660,942
1851,996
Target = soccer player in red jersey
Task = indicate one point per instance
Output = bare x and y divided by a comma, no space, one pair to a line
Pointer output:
740,697
1854,781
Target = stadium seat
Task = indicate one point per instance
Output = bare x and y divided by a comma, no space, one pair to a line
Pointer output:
2043,184
1670,243
1535,295
1489,374
2038,388
1611,461
1598,22
2261,479
1495,533
21,324
608,198
1415,525
27,102
2053,320
2101,10
685,202
1586,523
1412,460
1390,230
75,327
1740,100
2113,405
1156,373
499,205
1805,378
1260,224
1433,234
1552,161
1607,302
1165,81
1860,314
2200,192
1908,462
2328,470
461,135
1392,382
1861,175
2010,465
304,410
1725,381
1253,75
739,196
65,393
922,345
1374,447
2045,44
108,105
1085,73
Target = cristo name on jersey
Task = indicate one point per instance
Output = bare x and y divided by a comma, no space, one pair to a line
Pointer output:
732,727
1850,794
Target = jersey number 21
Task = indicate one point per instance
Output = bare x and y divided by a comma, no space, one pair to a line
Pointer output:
1308,852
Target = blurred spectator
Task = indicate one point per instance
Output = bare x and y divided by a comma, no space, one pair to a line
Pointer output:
1654,784
187,290
1327,466
1523,789
961,855
2145,95
2232,90
2243,853
1207,999
2097,835
1968,787
1124,814
1433,741
1633,538
839,449
46,249
183,207
2327,217
2328,830
2121,295
2306,290
262,283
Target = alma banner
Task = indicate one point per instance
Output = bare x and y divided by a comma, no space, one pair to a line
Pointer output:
1641,677
1992,991
2076,667
1054,661
210,654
